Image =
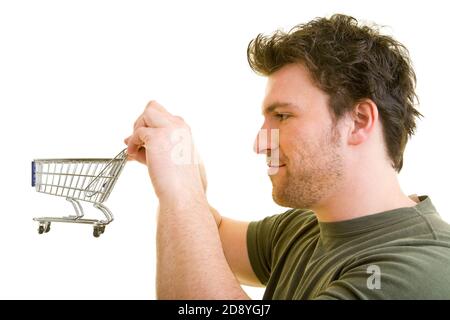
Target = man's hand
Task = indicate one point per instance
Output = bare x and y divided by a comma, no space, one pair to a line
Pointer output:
163,142
190,260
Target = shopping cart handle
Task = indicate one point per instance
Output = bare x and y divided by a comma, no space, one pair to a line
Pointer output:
33,174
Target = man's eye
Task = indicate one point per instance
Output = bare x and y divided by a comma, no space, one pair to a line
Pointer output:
281,116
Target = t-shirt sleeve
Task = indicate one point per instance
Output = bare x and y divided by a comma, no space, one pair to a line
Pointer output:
260,242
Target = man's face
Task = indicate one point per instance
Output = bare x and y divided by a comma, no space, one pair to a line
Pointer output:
306,165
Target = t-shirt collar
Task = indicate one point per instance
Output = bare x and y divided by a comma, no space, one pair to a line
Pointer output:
373,221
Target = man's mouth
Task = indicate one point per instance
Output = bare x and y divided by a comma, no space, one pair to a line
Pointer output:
275,164
274,169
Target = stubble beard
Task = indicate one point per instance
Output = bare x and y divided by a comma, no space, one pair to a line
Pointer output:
312,175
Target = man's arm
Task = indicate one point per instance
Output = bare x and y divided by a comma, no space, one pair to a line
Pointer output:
187,264
233,235
191,262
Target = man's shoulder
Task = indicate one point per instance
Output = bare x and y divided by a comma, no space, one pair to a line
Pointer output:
283,227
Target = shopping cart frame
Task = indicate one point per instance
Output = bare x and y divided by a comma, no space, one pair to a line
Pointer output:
82,179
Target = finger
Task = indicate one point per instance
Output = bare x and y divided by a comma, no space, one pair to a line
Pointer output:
135,149
140,156
130,157
133,144
154,115
140,122
155,105
140,138
134,156
145,122
154,118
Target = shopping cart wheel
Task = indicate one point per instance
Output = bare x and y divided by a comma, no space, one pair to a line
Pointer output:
44,227
98,230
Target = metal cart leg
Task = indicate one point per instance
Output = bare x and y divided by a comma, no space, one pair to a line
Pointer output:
100,227
78,208
108,214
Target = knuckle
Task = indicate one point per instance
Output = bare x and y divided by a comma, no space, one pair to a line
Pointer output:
152,104
143,134
179,120
148,114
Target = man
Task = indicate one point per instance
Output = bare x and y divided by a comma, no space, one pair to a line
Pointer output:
340,104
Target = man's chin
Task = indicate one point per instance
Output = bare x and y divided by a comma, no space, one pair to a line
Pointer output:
288,202
279,199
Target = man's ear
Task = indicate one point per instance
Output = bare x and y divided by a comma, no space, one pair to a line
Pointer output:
363,119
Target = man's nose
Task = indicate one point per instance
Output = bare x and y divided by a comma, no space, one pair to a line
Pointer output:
266,141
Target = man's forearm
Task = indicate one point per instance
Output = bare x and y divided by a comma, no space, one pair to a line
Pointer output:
191,263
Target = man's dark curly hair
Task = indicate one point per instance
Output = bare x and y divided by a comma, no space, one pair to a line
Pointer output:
350,63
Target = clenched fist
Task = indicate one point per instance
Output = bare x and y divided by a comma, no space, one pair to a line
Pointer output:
164,143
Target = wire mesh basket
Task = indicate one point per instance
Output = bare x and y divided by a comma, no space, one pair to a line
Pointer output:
89,180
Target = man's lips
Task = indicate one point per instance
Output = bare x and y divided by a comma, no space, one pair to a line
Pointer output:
275,163
275,166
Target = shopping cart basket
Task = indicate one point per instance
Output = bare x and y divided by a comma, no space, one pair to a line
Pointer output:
90,180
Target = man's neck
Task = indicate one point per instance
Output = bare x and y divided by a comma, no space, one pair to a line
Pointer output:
362,195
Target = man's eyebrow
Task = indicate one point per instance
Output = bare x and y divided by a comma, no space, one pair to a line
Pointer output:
271,108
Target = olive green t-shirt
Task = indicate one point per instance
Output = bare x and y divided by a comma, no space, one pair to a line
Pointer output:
397,254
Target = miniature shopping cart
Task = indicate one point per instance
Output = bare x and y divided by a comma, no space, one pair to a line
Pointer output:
90,180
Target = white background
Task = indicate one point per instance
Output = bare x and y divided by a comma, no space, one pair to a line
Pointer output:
74,75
